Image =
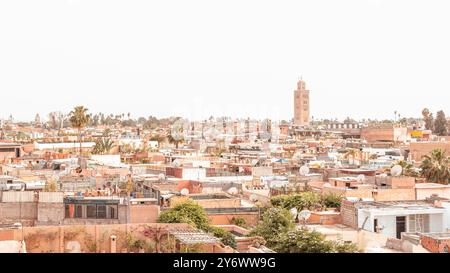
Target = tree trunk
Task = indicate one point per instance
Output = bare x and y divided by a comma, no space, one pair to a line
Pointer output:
79,139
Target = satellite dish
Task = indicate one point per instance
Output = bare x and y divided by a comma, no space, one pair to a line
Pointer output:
184,192
360,178
254,162
176,163
304,215
294,212
253,198
233,191
162,176
396,170
304,170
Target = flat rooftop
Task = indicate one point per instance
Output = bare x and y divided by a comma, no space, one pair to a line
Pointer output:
210,196
406,207
438,235
430,185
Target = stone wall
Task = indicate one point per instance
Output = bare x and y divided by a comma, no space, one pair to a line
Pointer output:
144,213
349,214
251,218
25,212
419,149
95,238
435,245
395,194
50,213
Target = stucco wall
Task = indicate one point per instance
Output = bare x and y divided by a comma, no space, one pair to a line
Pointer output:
92,238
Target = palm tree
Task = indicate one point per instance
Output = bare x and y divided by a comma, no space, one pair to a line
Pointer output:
353,154
435,167
103,146
79,118
107,132
408,168
174,140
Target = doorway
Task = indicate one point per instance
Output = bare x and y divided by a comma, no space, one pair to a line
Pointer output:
401,225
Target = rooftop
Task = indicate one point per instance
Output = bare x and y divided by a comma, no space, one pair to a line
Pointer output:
438,235
193,236
430,185
400,207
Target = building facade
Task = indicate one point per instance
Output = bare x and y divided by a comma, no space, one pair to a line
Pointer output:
301,104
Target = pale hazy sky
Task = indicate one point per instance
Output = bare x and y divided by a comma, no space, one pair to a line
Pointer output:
359,58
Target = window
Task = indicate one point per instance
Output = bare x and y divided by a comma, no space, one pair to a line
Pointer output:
419,223
67,211
101,212
78,211
91,211
112,212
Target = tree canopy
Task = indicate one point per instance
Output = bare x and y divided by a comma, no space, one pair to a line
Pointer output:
440,124
281,235
306,200
191,213
435,167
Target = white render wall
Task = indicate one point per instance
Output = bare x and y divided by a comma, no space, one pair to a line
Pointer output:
194,173
437,223
388,222
446,220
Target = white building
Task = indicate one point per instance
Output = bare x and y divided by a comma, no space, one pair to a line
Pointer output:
393,218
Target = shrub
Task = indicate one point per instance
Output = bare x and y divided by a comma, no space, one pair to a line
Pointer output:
186,212
332,200
225,236
238,221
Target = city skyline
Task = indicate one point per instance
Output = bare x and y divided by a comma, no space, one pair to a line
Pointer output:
173,59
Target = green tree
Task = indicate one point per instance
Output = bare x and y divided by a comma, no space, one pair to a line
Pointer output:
225,236
103,146
301,201
79,118
408,168
158,137
107,132
175,140
191,213
239,221
352,154
306,241
435,167
428,118
274,221
331,200
186,212
440,124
